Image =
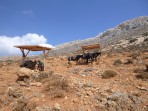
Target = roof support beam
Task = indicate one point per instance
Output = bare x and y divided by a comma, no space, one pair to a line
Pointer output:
23,54
45,54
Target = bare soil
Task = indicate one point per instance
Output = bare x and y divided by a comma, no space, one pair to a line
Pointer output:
85,84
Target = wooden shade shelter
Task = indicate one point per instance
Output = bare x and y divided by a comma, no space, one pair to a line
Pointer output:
34,48
90,47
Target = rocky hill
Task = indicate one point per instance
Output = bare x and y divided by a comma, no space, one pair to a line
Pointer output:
128,30
115,82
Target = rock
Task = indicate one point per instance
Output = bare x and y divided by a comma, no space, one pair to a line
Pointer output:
14,92
104,95
117,96
122,102
22,83
56,107
38,84
79,94
88,85
43,108
90,69
139,60
25,72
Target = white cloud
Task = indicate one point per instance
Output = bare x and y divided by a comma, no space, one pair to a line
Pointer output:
27,12
7,43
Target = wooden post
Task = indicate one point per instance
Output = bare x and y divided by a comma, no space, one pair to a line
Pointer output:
24,55
44,54
45,57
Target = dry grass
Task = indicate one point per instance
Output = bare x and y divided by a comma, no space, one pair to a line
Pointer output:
42,75
22,104
108,74
134,55
57,86
129,61
142,75
117,62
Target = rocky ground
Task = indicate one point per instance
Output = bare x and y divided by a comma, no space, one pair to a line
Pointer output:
117,82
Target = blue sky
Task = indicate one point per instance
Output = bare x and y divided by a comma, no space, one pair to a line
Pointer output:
61,21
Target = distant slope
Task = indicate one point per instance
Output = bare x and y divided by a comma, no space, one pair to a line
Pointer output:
129,29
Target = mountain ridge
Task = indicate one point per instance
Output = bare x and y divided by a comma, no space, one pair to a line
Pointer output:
129,28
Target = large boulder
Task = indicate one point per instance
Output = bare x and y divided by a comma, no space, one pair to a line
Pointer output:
25,71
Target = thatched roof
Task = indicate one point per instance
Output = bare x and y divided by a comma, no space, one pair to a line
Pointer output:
33,47
89,47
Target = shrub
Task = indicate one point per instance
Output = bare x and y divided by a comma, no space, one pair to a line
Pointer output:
117,62
145,40
145,34
134,27
9,62
15,93
137,70
57,86
42,76
129,61
132,40
142,75
108,74
146,67
134,55
22,104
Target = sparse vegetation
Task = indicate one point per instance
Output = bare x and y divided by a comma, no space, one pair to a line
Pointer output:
15,93
146,67
129,61
9,62
134,27
42,75
56,86
134,55
108,74
142,75
138,70
22,104
132,40
145,40
145,34
117,62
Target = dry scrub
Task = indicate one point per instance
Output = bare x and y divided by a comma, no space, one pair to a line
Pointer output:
57,86
108,74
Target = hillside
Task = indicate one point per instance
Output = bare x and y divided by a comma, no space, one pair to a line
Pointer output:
133,28
118,81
